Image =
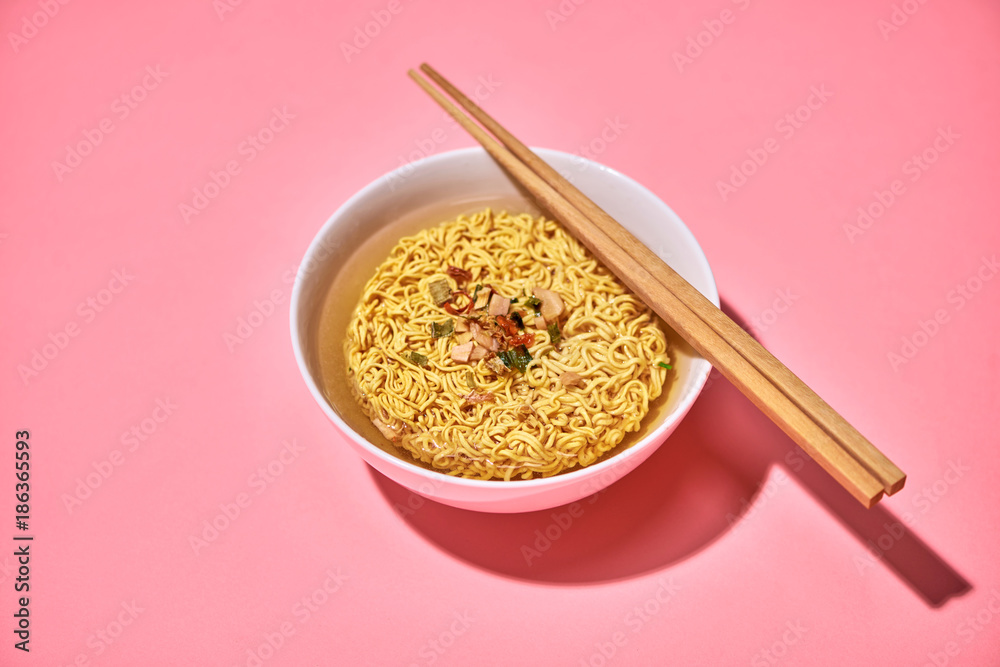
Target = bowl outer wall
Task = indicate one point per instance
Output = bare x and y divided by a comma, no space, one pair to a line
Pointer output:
454,182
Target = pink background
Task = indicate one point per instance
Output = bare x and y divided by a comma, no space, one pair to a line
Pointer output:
726,547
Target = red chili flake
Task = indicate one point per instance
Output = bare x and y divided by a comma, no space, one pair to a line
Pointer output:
527,339
508,324
461,275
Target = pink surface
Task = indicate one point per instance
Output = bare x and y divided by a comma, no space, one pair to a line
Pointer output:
726,547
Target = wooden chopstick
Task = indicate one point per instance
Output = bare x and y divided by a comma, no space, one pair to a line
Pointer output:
890,476
839,462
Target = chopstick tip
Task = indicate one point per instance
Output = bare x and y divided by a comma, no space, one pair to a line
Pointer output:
896,486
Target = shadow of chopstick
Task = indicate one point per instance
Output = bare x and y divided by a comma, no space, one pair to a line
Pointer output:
890,541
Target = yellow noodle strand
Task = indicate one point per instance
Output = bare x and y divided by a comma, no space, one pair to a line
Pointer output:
535,426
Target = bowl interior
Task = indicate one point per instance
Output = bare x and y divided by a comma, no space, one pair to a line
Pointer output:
360,235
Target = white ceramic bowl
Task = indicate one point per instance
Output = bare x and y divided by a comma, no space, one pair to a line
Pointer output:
361,233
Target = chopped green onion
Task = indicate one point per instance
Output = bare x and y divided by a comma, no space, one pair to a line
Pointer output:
535,303
554,334
440,291
417,359
470,380
444,329
516,319
517,358
663,365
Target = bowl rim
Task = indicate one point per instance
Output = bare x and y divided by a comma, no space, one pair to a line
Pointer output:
614,462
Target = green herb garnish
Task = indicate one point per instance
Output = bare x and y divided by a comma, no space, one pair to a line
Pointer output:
417,359
515,317
663,365
443,329
440,291
517,358
535,303
554,334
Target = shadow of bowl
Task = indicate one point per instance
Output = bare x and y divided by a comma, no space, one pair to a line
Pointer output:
698,485
687,494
